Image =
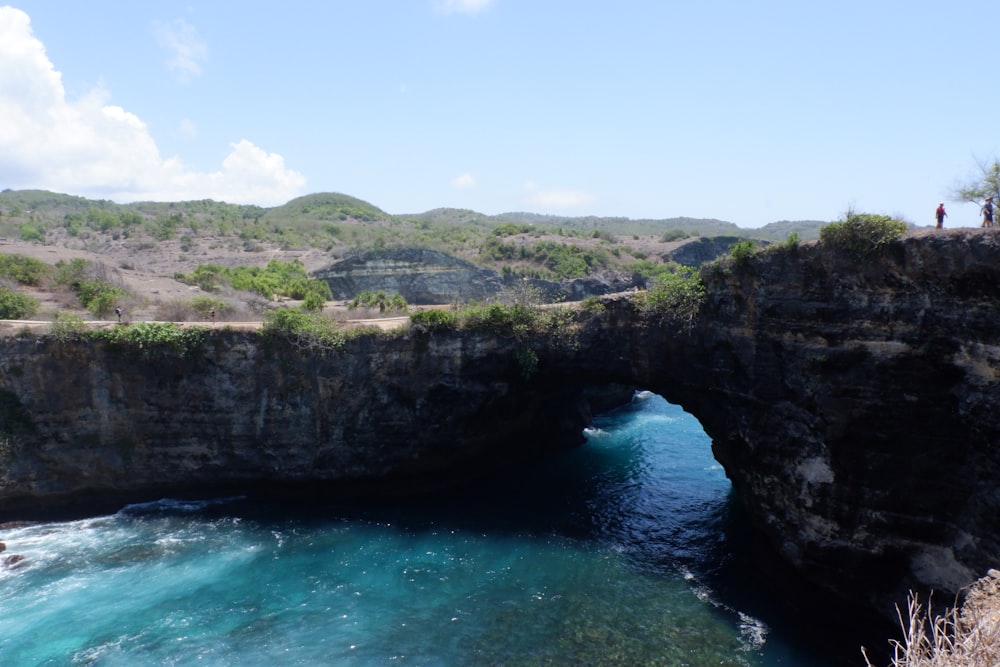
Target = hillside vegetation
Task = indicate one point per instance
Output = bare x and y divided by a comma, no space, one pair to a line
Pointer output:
537,245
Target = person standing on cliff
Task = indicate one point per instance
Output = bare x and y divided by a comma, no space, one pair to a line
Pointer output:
940,215
987,212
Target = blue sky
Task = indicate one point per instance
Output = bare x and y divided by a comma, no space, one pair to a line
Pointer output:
750,112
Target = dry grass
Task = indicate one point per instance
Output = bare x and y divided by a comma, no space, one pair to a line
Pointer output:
967,636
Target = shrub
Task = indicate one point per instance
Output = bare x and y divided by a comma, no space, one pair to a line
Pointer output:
67,326
99,296
302,329
91,285
70,272
276,279
673,235
593,304
511,229
675,296
204,305
208,277
23,269
743,253
16,306
649,270
313,302
435,319
497,318
380,300
32,233
151,339
861,234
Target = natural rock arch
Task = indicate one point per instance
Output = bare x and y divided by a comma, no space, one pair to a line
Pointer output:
849,402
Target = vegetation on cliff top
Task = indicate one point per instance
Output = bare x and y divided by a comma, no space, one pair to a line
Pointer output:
152,339
862,234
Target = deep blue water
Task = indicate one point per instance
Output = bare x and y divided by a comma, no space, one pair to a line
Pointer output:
625,551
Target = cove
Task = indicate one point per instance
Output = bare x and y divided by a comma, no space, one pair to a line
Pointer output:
626,550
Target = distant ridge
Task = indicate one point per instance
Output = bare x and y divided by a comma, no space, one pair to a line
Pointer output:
333,207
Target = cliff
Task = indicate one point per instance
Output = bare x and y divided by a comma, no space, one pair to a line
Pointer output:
849,401
852,404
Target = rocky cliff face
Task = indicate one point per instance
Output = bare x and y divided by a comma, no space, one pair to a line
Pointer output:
429,277
419,276
853,405
850,402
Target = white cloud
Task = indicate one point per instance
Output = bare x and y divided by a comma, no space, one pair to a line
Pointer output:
185,48
462,6
557,199
465,181
92,148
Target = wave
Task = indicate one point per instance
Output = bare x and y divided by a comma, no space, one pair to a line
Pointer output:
753,631
175,505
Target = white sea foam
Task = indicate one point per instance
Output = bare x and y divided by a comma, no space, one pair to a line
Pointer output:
753,632
177,505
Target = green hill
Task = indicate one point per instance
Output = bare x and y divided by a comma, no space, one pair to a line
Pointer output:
340,225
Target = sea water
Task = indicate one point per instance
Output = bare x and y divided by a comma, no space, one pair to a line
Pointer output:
614,553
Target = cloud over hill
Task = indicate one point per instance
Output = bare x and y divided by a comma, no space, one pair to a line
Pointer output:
92,147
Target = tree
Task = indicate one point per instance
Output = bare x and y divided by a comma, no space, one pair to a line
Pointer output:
986,184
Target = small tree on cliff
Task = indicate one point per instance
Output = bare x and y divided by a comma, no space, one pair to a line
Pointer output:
985,184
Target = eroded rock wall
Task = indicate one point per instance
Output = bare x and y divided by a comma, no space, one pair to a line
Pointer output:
852,403
82,415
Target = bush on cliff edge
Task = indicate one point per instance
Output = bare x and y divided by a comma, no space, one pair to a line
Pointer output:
676,297
861,234
153,339
305,330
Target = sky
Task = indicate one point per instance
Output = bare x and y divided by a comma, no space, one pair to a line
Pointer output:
749,112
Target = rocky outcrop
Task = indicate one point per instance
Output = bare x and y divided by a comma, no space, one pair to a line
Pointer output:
850,402
420,276
425,277
703,249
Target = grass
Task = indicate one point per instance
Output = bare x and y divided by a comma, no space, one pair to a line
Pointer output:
960,637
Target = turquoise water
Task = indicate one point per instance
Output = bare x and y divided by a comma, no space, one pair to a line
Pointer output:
615,553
